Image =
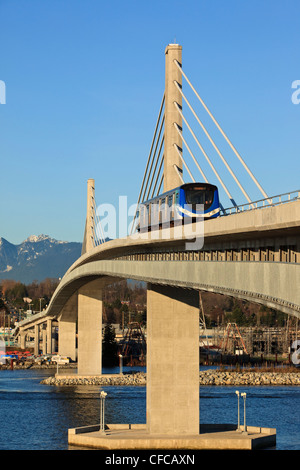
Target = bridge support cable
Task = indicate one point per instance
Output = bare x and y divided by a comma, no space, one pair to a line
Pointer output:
153,159
93,233
189,172
223,133
208,159
155,167
150,160
214,145
150,157
97,228
157,176
190,152
183,161
160,184
206,156
99,237
178,173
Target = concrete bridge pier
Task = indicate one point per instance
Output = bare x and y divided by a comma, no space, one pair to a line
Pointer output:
90,328
23,339
172,360
44,340
49,336
36,339
67,328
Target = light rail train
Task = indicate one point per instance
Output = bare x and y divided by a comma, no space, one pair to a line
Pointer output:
189,202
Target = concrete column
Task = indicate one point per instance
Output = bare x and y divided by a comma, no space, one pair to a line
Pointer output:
172,360
49,336
36,339
67,328
67,339
44,332
171,136
23,339
90,328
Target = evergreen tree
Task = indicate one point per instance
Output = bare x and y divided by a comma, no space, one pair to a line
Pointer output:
109,347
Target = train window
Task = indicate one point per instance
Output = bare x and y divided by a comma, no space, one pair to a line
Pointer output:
154,213
171,205
164,210
161,209
195,196
159,212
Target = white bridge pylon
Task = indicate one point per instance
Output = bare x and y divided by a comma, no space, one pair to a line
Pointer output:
93,232
166,160
155,172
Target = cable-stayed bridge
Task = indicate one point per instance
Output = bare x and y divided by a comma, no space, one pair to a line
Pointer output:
251,251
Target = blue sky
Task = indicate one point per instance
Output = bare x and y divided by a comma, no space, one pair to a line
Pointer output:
84,81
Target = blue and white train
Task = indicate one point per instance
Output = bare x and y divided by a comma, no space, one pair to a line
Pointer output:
189,201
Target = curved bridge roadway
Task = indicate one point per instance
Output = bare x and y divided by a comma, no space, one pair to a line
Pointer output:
272,283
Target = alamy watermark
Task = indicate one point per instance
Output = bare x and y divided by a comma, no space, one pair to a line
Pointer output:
152,222
2,92
296,94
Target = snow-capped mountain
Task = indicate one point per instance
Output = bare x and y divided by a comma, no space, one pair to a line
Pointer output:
40,238
36,258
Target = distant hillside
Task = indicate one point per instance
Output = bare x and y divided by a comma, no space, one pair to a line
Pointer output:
37,258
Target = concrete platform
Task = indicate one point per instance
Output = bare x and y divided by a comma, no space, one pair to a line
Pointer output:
135,437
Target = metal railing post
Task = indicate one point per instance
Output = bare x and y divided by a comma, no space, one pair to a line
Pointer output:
238,395
102,411
244,397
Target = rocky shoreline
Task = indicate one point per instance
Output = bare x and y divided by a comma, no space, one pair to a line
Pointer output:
208,377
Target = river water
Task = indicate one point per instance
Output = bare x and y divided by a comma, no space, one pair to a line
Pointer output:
37,417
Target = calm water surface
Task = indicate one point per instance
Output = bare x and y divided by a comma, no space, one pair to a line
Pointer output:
37,417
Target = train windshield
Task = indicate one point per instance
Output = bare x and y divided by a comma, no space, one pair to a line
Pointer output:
199,196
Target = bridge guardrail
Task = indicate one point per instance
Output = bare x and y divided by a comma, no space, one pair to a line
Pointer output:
33,317
262,203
